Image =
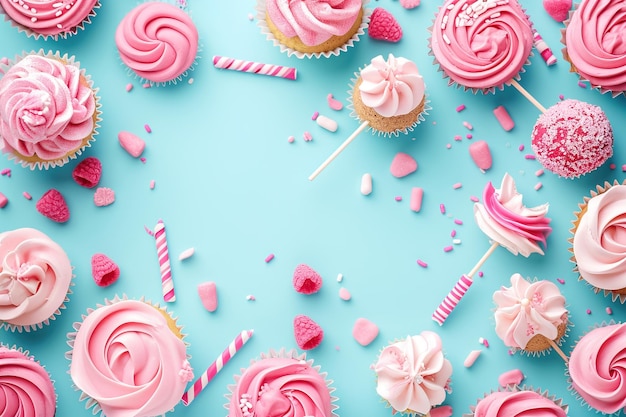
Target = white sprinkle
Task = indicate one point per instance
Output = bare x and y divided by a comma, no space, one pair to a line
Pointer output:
446,39
187,253
456,241
366,184
339,277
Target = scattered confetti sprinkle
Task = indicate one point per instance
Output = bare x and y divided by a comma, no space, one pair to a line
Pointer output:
609,311
560,281
27,195
307,136
152,183
148,128
442,208
458,221
582,84
269,257
474,199
460,107
344,294
457,185
129,87
339,277
471,358
146,85
3,200
468,125
453,233
422,263
314,116
398,198
291,139
588,311
333,103
538,186
448,248
250,297
187,253
612,166
521,147
539,173
6,172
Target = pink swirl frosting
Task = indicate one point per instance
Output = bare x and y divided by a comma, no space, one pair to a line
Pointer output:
503,217
527,309
46,108
35,276
48,17
158,41
599,242
597,368
413,375
393,87
280,387
127,359
595,39
313,21
481,44
518,404
25,387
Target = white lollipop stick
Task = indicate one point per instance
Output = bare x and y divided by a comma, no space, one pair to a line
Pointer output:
528,96
460,288
338,150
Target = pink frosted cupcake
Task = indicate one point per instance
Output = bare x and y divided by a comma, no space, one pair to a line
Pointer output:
26,389
35,279
412,374
313,28
530,316
518,402
128,358
158,42
49,18
49,110
281,384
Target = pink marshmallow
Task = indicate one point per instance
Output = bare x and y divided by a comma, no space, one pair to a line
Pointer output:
402,165
133,144
364,331
208,295
480,153
504,118
417,194
558,9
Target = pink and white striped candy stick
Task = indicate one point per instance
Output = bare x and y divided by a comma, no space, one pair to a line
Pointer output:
460,288
224,62
167,283
543,49
216,366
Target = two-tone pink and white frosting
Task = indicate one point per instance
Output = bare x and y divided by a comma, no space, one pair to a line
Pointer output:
595,43
49,17
25,387
412,374
503,217
158,41
523,403
481,44
597,371
313,21
46,110
526,309
599,243
391,87
127,359
277,386
35,276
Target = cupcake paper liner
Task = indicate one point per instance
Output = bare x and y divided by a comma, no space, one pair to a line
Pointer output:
517,388
582,209
63,35
262,23
69,60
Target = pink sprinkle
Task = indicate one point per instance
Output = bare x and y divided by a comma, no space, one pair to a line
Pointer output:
6,171
468,125
588,311
458,221
469,136
398,198
539,173
453,233
623,168
269,257
460,107
612,166
152,184
333,103
474,199
146,85
485,343
27,196
129,87
609,311
480,274
448,249
521,147
448,146
529,156
307,136
458,137
142,159
561,96
457,185
582,84
314,117
471,358
422,263
442,208
250,297
147,127
344,294
560,281
148,231
291,139
538,186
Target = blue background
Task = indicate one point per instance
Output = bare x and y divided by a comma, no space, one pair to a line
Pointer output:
230,185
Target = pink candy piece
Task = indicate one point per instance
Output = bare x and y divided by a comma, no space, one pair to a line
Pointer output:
402,165
306,280
88,171
103,196
512,377
481,154
364,331
558,9
409,4
104,271
132,143
417,194
441,411
504,118
208,295
3,200
334,103
344,294
471,358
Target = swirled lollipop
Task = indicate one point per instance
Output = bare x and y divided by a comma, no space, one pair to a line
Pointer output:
503,217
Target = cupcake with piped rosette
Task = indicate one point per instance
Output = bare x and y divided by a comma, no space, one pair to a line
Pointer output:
515,401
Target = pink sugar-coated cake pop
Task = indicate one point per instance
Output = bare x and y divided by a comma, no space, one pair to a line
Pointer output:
572,138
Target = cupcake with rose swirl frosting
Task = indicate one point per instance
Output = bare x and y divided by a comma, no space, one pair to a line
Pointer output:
26,389
35,279
313,28
481,45
390,95
599,241
128,358
413,376
596,368
518,401
281,384
49,109
594,44
530,316
49,18
158,42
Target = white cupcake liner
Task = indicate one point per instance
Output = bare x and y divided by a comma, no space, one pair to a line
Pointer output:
517,388
291,354
262,23
69,60
420,118
63,35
